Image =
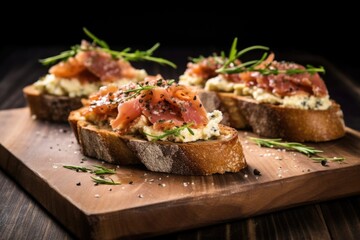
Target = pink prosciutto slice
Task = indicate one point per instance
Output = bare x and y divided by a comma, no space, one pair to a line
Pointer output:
287,84
164,105
91,64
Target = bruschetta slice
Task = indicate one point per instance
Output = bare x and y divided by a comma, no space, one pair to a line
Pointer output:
277,99
160,124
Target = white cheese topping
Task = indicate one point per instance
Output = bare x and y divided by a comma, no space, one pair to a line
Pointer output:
307,102
65,87
209,131
74,88
220,84
190,80
297,101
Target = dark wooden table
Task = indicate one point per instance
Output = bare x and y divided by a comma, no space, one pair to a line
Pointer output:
21,217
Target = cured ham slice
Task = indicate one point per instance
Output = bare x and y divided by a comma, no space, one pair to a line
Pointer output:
164,104
94,64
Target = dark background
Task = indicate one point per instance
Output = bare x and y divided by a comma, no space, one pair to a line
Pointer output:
327,30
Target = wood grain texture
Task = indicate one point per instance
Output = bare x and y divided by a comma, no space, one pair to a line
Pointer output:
22,217
155,203
337,218
20,212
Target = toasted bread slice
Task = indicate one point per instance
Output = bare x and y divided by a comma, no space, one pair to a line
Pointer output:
101,143
50,107
196,158
274,121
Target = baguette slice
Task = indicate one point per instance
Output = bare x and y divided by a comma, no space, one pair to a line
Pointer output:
50,107
291,124
197,158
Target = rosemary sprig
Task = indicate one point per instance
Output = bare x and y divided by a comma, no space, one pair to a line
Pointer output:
137,91
175,132
270,71
77,168
310,151
277,143
196,59
63,56
235,54
250,66
330,159
95,39
171,81
140,55
100,170
309,69
101,44
108,181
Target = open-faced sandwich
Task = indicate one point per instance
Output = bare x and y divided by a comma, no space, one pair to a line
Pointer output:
81,71
277,99
160,124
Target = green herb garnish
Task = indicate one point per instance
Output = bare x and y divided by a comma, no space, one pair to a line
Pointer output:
169,82
137,91
309,151
96,40
277,143
140,55
234,54
172,132
107,181
77,168
273,71
250,66
196,60
309,69
101,44
63,56
102,170
97,170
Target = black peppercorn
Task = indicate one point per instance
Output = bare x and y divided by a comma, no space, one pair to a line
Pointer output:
257,172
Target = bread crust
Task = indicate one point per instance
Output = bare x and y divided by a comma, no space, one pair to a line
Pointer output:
274,121
50,107
197,158
292,124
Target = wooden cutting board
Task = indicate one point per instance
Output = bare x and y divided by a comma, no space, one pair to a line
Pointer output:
148,203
